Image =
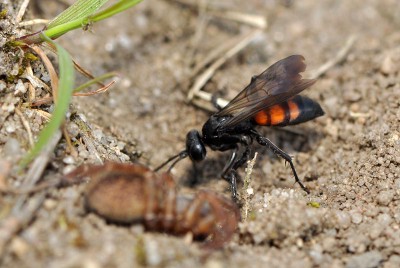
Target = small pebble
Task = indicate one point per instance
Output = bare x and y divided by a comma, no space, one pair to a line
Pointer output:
3,85
49,204
317,256
15,69
19,247
385,197
69,160
352,96
328,244
121,145
98,134
343,219
250,191
375,231
356,218
332,129
214,264
73,129
153,256
20,88
10,128
385,219
12,148
393,262
387,65
366,260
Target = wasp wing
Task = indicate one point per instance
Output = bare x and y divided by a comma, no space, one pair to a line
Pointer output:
276,84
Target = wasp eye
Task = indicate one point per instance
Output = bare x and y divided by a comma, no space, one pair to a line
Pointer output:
195,146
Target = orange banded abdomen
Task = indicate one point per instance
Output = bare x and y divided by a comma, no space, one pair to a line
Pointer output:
296,110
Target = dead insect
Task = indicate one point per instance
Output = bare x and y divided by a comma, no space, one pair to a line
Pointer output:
130,193
271,99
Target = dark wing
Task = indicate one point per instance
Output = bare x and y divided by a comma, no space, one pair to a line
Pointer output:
276,84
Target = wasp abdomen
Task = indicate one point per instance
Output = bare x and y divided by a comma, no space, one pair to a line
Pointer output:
294,111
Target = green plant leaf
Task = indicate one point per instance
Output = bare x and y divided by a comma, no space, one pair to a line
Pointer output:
58,30
114,9
65,90
80,9
74,19
93,81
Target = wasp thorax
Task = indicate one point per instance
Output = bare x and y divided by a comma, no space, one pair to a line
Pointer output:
195,146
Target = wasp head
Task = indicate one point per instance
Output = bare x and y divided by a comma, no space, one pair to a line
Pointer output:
194,146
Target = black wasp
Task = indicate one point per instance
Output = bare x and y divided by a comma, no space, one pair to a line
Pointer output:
271,99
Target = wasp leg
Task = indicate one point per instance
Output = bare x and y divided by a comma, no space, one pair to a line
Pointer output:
279,152
243,159
229,173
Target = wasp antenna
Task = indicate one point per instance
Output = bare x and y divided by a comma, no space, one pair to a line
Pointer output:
180,156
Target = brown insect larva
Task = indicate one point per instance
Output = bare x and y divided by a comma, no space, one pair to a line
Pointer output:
129,193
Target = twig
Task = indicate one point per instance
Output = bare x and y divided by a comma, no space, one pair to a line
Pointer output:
248,191
86,134
47,100
97,91
77,66
85,72
45,115
26,126
215,53
37,188
5,168
246,18
70,147
41,101
203,78
33,22
50,69
36,82
360,115
24,209
40,163
32,92
21,11
199,32
340,56
193,5
31,89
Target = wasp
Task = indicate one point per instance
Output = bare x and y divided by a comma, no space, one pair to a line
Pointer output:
132,193
271,99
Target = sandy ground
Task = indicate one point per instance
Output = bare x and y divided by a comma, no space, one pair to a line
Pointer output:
349,158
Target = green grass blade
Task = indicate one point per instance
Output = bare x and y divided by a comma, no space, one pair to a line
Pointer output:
114,9
58,30
93,81
79,10
65,89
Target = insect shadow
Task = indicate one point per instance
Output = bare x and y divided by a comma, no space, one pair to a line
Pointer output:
300,140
